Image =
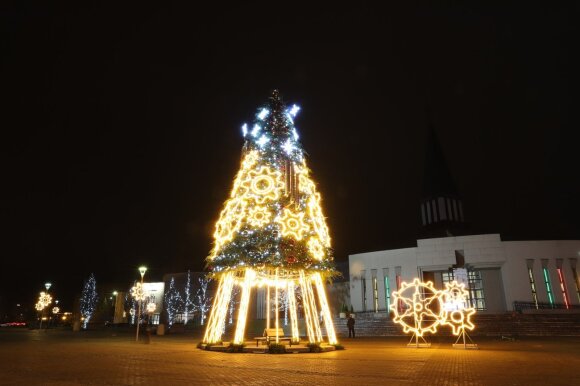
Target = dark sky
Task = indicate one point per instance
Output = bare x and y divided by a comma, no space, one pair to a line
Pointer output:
121,126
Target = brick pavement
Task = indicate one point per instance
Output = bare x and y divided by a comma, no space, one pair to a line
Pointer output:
96,358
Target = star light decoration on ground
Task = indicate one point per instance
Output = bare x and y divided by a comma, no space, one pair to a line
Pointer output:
456,312
272,232
420,308
416,307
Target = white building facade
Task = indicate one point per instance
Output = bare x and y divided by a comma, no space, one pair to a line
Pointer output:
501,275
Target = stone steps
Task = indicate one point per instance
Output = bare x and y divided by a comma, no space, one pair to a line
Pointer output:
486,325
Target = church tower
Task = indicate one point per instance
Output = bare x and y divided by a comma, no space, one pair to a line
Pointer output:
441,205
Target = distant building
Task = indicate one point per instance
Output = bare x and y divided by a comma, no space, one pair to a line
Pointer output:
501,275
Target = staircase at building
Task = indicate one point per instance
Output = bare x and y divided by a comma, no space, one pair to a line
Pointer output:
506,324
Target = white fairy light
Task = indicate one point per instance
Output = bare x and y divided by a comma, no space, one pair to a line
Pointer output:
245,129
263,140
255,130
295,133
263,114
294,110
288,146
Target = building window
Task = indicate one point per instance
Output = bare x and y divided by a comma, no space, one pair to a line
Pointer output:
548,285
447,277
476,290
363,281
376,293
533,286
474,287
577,281
375,290
387,293
563,287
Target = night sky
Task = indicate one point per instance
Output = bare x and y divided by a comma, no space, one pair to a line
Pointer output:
121,126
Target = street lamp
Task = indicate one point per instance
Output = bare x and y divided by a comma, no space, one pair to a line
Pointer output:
142,271
115,293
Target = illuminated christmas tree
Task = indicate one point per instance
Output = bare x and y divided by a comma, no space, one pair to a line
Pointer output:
271,232
88,299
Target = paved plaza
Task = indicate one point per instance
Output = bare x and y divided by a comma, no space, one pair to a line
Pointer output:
32,357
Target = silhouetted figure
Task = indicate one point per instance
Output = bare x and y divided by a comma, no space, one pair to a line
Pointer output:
350,325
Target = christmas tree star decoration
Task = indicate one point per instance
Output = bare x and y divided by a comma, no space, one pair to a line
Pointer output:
293,224
259,216
315,248
272,233
265,184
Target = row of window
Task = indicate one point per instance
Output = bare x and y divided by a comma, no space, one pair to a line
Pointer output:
548,284
475,287
375,287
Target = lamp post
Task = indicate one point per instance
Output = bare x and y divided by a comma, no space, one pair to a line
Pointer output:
142,271
115,293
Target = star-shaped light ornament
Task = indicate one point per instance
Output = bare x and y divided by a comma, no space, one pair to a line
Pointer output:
293,224
230,221
138,292
318,220
415,306
264,184
316,249
456,310
259,216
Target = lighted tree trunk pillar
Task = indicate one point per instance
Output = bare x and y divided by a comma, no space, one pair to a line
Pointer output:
244,305
267,306
277,311
325,309
293,314
217,317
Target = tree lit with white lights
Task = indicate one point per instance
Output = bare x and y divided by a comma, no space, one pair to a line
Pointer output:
271,232
172,302
88,300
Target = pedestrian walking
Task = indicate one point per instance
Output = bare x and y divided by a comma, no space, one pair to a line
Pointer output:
350,325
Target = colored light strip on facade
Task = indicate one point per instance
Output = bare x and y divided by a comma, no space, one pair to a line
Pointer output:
548,285
563,288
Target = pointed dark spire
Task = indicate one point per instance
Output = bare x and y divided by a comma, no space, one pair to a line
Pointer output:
437,180
441,205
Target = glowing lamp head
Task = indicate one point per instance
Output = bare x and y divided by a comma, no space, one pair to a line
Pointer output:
115,293
47,285
142,270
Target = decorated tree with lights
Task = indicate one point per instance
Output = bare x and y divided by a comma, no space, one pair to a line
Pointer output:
188,304
88,299
271,232
172,302
203,300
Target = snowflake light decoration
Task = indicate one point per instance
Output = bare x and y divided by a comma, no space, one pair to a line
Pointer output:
259,216
293,224
138,292
417,307
456,312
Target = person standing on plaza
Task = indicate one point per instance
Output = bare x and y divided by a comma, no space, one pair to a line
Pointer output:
350,325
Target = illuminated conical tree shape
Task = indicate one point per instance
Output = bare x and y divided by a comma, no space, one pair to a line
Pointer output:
272,231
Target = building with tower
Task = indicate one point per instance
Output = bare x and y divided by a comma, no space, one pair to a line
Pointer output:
500,275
